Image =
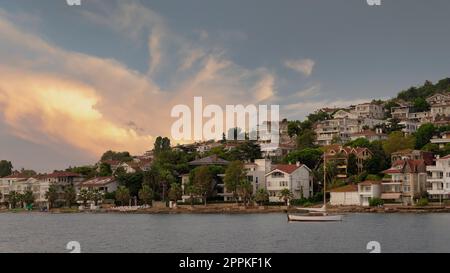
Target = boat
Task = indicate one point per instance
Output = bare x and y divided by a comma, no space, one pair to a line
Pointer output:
316,214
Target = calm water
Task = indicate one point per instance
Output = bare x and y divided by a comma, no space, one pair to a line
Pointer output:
222,233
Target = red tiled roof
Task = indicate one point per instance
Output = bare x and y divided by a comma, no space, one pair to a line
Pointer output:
62,174
17,176
370,182
287,168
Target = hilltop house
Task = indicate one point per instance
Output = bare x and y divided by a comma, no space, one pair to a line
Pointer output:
411,154
443,140
369,110
296,178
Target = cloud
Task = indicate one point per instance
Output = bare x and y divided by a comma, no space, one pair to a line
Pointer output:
53,96
304,66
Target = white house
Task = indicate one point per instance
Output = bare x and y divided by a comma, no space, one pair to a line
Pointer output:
256,173
438,179
345,196
103,184
368,190
443,140
296,178
369,110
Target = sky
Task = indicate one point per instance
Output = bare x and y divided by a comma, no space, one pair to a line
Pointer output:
76,81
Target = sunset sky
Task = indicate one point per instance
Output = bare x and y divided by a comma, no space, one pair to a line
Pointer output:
77,81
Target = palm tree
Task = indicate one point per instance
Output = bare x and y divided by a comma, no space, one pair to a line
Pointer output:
122,195
262,196
84,196
285,195
51,195
70,196
146,194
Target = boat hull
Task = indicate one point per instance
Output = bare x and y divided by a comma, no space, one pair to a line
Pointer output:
315,218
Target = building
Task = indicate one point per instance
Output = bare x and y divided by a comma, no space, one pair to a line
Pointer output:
7,183
438,179
408,179
368,190
256,173
400,112
340,156
409,126
60,180
345,196
341,129
410,154
370,135
296,178
103,184
440,105
442,141
369,110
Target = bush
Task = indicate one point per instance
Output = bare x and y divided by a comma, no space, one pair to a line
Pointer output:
423,202
376,202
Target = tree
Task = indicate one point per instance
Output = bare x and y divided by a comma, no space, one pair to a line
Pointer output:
27,173
306,139
262,196
28,198
294,128
175,192
13,198
424,135
52,195
161,145
97,196
397,142
421,105
286,195
245,190
352,166
234,176
359,142
5,168
122,195
116,156
105,170
202,181
70,196
309,156
84,196
132,181
318,116
146,194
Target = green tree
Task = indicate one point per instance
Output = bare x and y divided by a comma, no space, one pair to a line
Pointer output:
175,192
359,142
202,181
421,105
352,166
245,190
161,145
84,196
397,142
234,176
309,156
97,196
122,195
132,181
13,198
306,139
286,195
424,135
52,195
262,196
5,168
318,116
146,194
117,156
28,173
28,198
105,170
70,196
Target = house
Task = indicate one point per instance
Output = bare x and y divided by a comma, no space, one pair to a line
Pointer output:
370,135
368,190
340,156
296,178
329,130
438,179
411,154
7,183
443,140
369,110
103,184
408,179
440,105
61,180
409,126
276,151
345,196
400,112
256,173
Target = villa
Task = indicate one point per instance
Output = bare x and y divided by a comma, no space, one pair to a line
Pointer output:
438,179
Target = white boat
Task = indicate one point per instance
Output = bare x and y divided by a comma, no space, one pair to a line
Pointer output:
315,217
316,214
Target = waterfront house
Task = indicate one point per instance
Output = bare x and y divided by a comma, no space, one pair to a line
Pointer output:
368,190
103,184
297,178
438,179
7,183
407,179
256,173
345,196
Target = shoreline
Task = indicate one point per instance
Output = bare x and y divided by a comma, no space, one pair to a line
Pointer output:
242,210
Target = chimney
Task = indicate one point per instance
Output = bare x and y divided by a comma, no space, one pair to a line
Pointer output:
298,164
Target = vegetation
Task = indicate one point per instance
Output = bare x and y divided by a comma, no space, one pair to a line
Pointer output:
262,196
52,196
424,91
309,156
5,168
70,196
235,175
116,156
376,202
422,202
84,196
146,194
397,142
122,195
175,192
28,198
286,195
13,198
202,179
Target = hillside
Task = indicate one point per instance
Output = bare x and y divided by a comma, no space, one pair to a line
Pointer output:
424,91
